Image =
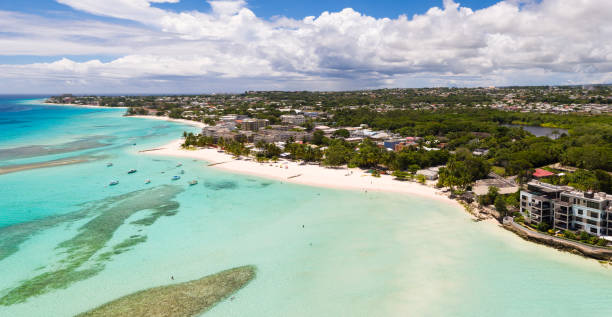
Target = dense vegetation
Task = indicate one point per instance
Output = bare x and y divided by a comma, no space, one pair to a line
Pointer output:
510,150
456,121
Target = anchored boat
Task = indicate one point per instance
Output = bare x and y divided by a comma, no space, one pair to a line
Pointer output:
176,177
193,182
131,171
113,183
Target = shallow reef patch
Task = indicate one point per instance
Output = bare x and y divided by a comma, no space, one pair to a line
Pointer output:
6,169
78,260
178,300
221,185
91,142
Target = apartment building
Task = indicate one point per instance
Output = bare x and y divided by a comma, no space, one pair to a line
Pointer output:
565,208
253,124
293,119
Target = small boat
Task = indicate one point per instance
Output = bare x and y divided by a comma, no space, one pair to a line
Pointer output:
148,181
131,171
176,177
179,165
113,183
182,171
193,182
109,164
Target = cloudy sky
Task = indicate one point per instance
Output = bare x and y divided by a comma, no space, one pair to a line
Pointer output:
197,46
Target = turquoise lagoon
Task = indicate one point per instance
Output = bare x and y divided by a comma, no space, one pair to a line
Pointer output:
69,242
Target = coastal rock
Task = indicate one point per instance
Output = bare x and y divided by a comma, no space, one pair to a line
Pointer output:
594,252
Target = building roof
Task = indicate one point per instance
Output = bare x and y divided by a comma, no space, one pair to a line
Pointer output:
542,173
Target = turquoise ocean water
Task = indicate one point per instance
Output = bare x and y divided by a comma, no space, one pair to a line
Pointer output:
70,242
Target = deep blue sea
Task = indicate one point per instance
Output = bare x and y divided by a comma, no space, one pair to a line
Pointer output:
70,242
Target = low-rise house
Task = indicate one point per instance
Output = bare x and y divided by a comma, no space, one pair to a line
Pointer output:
293,119
354,139
391,143
480,152
229,117
540,173
430,173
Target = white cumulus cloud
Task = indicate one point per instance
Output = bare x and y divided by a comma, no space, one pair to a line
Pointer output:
229,48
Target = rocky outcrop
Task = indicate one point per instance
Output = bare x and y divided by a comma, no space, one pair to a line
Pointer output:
599,253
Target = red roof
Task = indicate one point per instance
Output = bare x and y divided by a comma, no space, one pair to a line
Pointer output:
542,173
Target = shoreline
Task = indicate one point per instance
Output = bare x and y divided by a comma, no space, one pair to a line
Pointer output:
160,118
337,178
78,106
306,174
168,119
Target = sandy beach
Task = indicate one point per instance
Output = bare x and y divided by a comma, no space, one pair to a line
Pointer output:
306,174
165,118
161,118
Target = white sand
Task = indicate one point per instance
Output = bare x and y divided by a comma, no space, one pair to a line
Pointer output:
162,118
196,124
311,175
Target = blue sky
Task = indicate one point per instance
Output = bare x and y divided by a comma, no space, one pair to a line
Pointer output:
266,8
191,46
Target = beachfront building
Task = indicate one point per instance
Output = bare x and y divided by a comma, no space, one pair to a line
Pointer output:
253,124
430,173
272,136
565,208
538,201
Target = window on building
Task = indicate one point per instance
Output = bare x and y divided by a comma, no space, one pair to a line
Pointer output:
594,230
565,199
580,211
591,222
592,204
594,214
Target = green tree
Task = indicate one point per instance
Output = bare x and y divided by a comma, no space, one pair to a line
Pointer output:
308,126
421,178
343,133
543,226
317,137
500,206
401,176
337,154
